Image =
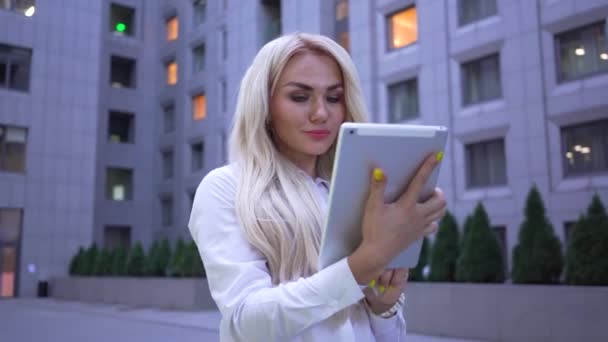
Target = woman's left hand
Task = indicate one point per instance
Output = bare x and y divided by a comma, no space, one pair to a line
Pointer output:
388,287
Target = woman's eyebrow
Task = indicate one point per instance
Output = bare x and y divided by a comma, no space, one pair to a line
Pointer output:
307,87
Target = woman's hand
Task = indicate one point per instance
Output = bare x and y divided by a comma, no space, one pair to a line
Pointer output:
386,290
389,228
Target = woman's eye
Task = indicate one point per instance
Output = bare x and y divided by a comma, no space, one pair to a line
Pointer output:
334,99
299,98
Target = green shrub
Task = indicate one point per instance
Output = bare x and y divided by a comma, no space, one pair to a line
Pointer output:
587,253
537,257
417,274
176,265
89,259
444,254
192,265
103,263
77,262
136,261
481,259
150,268
119,262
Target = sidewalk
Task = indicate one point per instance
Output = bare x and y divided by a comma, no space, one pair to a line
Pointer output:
60,321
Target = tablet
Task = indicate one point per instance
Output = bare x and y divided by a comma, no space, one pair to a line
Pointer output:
398,150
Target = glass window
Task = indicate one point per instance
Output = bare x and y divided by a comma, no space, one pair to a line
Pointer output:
171,73
120,127
166,204
10,225
486,164
474,10
122,20
197,155
15,65
119,184
172,28
501,235
167,157
402,28
341,24
198,58
169,118
224,42
13,141
199,107
272,19
481,80
224,90
585,148
200,11
122,72
403,100
582,52
117,237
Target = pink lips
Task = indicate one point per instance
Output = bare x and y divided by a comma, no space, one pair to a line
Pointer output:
318,133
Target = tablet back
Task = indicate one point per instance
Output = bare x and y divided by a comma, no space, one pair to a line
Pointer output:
398,150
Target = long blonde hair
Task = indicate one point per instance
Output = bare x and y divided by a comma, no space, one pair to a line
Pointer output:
274,205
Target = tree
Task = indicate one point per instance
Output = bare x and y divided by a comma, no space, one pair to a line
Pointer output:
77,262
103,263
136,261
537,257
163,257
192,265
89,259
119,261
177,260
587,253
446,248
417,274
151,260
480,260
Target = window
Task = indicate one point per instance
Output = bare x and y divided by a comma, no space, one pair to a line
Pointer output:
200,11
481,80
167,157
585,148
171,73
121,127
197,156
568,229
25,7
172,29
15,65
10,225
224,95
166,204
199,107
501,235
10,237
169,118
402,27
486,165
191,195
198,58
341,25
117,237
272,22
13,141
121,20
224,42
582,52
403,101
119,184
122,72
474,10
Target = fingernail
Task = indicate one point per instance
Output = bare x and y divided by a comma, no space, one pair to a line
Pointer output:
381,289
439,156
378,175
372,283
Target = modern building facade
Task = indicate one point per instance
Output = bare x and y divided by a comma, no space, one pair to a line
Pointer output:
112,111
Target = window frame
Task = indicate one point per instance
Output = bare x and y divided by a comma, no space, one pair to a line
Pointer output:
470,184
586,126
465,78
559,77
14,55
459,10
4,153
407,84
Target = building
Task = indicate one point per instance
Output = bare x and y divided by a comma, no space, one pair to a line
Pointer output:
112,111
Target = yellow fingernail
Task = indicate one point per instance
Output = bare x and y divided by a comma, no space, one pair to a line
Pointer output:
381,289
372,283
378,175
439,156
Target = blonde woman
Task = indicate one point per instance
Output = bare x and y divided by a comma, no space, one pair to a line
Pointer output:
257,221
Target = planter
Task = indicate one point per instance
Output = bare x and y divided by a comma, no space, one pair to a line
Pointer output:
508,312
164,293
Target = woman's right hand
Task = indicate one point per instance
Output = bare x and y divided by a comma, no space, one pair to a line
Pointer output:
389,228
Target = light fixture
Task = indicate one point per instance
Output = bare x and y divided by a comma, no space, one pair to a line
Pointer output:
580,51
121,27
604,56
577,148
569,155
30,11
585,150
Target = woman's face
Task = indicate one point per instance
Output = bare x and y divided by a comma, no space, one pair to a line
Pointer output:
307,107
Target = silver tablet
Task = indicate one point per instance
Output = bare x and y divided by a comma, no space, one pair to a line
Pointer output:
399,151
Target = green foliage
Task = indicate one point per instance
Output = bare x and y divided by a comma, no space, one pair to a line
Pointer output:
537,257
76,263
587,253
136,261
192,265
481,259
103,263
88,261
177,261
445,251
119,262
417,273
150,268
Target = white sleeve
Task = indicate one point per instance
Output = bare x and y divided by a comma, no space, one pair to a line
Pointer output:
388,329
252,308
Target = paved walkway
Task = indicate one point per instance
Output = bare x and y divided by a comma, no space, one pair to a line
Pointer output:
60,321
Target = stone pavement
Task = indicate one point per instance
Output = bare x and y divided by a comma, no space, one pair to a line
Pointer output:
49,320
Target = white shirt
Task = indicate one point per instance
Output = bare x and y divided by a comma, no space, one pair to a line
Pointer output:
240,283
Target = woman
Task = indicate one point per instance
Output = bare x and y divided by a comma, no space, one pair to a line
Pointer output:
257,221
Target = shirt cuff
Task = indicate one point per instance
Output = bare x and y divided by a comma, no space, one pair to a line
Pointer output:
381,325
339,283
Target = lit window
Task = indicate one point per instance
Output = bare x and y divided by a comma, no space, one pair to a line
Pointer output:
585,148
582,52
341,9
172,29
13,141
199,107
119,184
121,20
402,28
172,73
